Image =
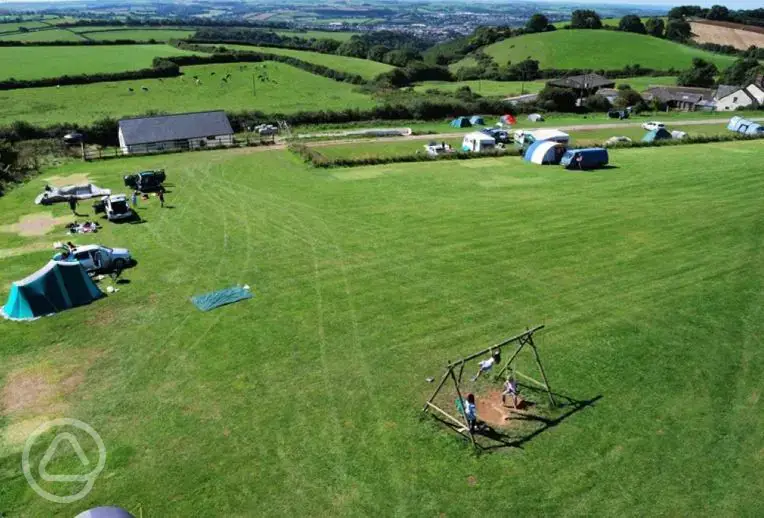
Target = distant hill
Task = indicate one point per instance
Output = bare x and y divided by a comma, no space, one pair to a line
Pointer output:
596,49
726,33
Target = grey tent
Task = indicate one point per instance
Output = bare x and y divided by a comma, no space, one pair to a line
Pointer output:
477,120
658,134
535,117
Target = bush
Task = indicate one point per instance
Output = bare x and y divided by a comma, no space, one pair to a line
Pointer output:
597,103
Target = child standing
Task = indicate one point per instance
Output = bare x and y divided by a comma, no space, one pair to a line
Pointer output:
510,389
470,412
161,197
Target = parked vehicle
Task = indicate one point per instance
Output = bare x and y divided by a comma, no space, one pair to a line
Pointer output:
435,149
653,125
618,114
589,158
477,142
115,207
146,181
73,137
97,258
614,141
499,135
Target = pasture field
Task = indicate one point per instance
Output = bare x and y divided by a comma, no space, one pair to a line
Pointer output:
363,67
42,35
597,50
649,277
139,34
513,88
15,26
43,62
326,35
287,90
739,36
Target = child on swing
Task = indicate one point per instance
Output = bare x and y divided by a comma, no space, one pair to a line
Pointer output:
510,389
488,364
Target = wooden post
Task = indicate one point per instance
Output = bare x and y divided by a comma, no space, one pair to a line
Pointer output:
511,359
543,374
464,414
461,370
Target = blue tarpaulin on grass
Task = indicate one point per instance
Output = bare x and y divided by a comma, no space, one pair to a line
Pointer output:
219,298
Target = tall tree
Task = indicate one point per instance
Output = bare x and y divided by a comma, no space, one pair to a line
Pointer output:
702,74
684,10
742,72
655,27
537,23
718,12
678,30
632,23
585,19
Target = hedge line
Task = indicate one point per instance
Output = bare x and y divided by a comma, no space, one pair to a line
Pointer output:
160,68
318,159
69,43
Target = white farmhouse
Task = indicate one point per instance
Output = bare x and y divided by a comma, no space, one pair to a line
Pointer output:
184,131
751,96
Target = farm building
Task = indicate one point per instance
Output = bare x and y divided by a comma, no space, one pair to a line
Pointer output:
731,98
586,84
680,97
170,132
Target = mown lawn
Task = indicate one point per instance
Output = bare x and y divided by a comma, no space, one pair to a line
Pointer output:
362,67
305,400
42,62
597,50
282,89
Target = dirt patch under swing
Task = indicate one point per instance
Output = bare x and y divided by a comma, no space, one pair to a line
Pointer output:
493,412
35,224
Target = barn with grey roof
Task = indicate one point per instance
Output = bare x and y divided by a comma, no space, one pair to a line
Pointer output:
184,131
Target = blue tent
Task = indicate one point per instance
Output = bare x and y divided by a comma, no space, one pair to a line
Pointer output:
57,286
544,152
461,122
745,126
477,120
658,134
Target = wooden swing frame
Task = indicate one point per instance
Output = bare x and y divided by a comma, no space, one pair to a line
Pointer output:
521,341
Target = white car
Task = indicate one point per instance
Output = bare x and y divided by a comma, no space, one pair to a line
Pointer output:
96,258
653,125
116,207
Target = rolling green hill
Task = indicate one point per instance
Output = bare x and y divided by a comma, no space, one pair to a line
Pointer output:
287,90
138,34
597,50
42,35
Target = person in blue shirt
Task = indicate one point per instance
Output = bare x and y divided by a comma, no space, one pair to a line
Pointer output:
470,412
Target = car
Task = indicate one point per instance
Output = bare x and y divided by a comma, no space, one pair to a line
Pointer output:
115,207
653,125
435,149
614,141
97,258
146,181
501,136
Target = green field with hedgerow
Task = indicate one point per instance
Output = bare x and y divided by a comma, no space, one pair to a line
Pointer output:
138,34
307,398
44,62
41,35
591,49
363,67
270,87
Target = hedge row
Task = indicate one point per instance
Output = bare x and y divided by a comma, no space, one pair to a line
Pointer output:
69,43
700,139
160,68
317,159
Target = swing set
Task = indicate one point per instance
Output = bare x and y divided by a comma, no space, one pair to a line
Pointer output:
455,370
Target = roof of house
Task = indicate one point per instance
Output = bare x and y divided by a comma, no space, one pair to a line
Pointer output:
527,98
607,92
725,90
585,81
679,94
182,126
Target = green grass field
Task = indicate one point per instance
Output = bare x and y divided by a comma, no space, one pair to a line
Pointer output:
288,90
363,67
139,34
513,88
598,50
15,26
326,35
42,62
649,277
43,35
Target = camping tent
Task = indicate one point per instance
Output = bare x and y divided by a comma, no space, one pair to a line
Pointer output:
535,117
57,286
508,119
545,152
461,122
744,126
658,134
477,120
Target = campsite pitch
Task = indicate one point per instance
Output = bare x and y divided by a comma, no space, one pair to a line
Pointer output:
648,277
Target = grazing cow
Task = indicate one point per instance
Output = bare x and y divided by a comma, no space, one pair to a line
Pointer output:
144,89
130,90
212,73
